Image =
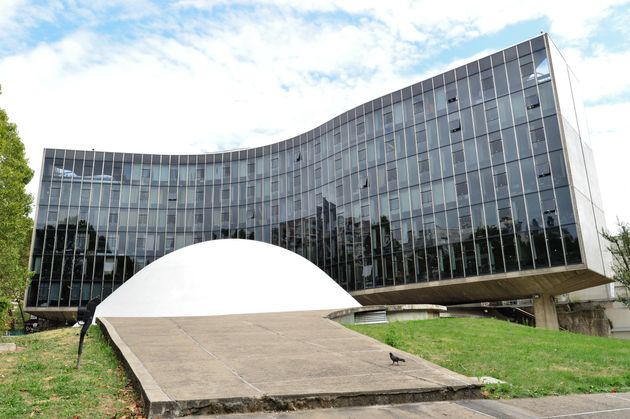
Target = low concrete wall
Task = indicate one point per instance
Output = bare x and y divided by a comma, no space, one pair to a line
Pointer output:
586,318
619,315
401,316
394,313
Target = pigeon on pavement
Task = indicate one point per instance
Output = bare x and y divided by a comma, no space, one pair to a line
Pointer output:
395,359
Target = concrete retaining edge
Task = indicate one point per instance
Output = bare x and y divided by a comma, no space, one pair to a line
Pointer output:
156,402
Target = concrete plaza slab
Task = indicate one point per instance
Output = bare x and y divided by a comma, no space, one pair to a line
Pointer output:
270,362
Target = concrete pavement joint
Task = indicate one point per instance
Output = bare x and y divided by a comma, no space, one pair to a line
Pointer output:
236,374
616,396
496,408
260,326
622,409
477,411
425,379
296,380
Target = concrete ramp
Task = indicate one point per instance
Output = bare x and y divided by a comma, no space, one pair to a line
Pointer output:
270,362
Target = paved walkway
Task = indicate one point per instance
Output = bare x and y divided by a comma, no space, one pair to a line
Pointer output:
594,406
274,361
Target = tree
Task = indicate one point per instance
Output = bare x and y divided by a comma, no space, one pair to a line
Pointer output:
15,206
619,247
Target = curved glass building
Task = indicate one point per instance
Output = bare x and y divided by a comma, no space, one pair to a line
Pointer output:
475,185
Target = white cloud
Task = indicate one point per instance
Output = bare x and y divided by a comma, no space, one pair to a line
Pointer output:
258,75
456,20
242,85
8,24
603,74
574,23
8,8
611,146
17,17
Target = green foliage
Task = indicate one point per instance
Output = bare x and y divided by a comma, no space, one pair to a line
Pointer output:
5,305
393,338
41,379
15,206
619,247
533,362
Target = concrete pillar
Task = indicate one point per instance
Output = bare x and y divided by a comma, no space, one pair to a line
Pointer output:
545,312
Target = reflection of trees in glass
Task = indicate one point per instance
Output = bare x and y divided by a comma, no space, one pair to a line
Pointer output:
386,238
396,245
84,253
571,245
480,232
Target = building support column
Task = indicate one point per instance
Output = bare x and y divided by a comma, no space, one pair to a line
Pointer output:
545,312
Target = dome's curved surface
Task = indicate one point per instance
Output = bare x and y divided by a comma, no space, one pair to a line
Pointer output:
229,276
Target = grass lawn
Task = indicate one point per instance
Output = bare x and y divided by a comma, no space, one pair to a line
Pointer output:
41,380
534,362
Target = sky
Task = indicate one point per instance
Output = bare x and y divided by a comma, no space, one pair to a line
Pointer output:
195,76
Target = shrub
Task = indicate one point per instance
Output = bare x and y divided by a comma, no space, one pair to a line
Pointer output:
5,305
393,338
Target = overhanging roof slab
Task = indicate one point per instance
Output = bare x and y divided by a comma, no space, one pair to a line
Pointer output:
505,286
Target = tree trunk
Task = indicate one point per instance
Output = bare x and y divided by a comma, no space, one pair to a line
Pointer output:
22,315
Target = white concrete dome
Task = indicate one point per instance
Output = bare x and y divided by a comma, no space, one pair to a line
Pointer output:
229,276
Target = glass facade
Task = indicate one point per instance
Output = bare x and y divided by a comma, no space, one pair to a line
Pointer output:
460,175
